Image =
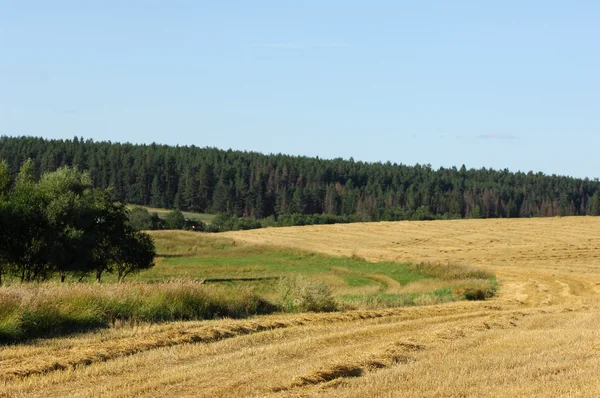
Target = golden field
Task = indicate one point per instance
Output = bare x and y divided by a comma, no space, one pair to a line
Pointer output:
539,337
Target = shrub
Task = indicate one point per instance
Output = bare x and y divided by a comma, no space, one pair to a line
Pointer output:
476,294
140,218
300,294
175,220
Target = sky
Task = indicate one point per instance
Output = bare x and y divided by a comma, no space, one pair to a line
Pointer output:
511,84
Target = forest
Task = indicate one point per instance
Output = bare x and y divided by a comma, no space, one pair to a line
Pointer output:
295,188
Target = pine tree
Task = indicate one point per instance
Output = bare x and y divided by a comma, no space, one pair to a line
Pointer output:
298,201
156,198
5,179
595,205
220,200
205,187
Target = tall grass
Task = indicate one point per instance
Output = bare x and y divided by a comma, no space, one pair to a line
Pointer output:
301,294
30,311
384,300
51,309
472,283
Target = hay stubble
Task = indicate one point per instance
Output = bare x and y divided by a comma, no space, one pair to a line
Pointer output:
539,337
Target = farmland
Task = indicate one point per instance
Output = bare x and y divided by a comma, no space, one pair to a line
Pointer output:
354,281
537,337
199,277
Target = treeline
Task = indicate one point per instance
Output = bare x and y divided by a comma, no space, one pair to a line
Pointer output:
60,225
141,219
248,184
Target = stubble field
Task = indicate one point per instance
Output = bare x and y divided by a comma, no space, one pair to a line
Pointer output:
538,337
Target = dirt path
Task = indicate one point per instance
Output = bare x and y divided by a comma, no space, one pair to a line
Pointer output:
539,337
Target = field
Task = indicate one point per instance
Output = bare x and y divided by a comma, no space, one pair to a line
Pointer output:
200,277
537,337
354,282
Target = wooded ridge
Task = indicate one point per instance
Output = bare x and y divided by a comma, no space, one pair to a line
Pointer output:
256,185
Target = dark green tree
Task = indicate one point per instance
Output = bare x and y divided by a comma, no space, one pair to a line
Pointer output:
156,195
135,254
140,219
252,184
595,205
175,220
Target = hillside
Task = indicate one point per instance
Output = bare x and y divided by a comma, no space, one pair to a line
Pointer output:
209,180
538,337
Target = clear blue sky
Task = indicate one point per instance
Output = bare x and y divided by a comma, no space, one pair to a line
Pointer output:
512,84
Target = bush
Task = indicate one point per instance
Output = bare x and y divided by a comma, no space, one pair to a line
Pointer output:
300,294
140,218
197,226
175,220
478,294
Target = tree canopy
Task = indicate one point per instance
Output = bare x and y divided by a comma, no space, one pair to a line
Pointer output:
62,225
249,184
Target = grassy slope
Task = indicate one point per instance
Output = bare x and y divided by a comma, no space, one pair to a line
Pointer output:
352,279
280,280
539,337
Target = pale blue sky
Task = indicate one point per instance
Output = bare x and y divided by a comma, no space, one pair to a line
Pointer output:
512,84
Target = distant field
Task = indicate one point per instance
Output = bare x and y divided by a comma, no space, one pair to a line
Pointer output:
353,280
199,276
537,337
162,213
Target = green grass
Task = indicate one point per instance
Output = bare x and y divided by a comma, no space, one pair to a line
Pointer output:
251,280
201,257
228,261
354,280
52,309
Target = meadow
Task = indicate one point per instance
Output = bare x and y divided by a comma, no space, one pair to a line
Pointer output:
198,277
536,337
353,280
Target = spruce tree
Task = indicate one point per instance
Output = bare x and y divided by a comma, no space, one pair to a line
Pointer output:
595,205
156,196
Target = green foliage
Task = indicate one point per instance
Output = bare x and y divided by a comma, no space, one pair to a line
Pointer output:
140,219
175,220
135,253
255,186
422,213
62,225
595,205
225,222
48,310
300,294
5,179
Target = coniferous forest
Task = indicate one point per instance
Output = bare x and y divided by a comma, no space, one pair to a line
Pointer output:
249,184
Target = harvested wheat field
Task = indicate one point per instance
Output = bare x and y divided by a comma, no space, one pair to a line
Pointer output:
539,337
